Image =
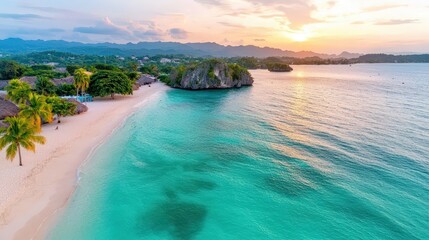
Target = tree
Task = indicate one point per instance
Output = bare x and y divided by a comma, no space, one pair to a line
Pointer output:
36,110
45,86
133,76
65,89
72,68
10,70
81,80
20,133
133,66
104,83
61,107
18,91
150,69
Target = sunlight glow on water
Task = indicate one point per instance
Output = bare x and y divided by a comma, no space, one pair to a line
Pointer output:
324,152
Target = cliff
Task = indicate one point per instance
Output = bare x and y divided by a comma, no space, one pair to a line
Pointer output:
211,74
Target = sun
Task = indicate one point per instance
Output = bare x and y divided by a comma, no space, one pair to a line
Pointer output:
299,37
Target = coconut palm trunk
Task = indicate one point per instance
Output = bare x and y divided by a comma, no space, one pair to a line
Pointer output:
19,154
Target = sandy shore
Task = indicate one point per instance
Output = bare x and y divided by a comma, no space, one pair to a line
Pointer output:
32,196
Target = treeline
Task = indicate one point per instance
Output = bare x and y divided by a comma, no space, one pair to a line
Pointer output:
264,63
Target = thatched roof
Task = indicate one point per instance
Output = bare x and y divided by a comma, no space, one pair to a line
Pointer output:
146,79
7,108
67,80
81,108
2,124
30,80
3,83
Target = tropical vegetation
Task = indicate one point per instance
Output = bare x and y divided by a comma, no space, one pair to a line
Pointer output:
36,110
20,133
18,91
108,83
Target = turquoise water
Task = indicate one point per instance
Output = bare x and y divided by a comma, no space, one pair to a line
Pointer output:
324,152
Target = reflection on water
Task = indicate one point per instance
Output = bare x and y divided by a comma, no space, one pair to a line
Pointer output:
323,152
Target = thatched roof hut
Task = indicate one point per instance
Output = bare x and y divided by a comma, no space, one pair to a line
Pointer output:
7,108
3,83
66,80
81,108
2,124
30,80
146,79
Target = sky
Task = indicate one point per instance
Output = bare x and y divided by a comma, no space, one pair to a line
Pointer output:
326,26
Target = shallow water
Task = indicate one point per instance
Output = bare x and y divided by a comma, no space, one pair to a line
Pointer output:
324,152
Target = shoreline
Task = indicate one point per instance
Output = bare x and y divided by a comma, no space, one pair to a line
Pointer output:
32,197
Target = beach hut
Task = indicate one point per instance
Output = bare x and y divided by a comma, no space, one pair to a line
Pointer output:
66,80
146,79
7,109
80,108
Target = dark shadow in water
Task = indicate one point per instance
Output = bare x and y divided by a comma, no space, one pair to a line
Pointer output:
182,220
201,166
294,178
287,187
196,186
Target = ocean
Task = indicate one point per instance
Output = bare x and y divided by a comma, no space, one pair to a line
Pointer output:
323,152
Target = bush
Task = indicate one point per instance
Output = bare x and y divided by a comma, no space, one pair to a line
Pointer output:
10,70
44,86
66,90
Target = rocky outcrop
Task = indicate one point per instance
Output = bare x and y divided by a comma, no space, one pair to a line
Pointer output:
279,67
211,74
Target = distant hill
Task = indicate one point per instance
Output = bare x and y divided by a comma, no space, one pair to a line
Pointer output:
19,46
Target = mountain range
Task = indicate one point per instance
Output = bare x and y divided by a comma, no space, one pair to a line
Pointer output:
20,46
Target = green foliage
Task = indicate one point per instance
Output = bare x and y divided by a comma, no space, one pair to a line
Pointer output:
150,69
109,67
165,78
66,90
133,76
42,67
20,133
43,71
81,79
18,91
45,86
132,66
61,107
72,68
279,67
10,70
36,110
236,71
247,62
177,74
104,83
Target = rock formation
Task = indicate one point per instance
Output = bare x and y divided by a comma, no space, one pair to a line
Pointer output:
211,74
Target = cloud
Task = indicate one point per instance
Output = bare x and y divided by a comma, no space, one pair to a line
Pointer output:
259,40
41,32
17,16
145,30
106,27
178,33
397,22
211,2
231,25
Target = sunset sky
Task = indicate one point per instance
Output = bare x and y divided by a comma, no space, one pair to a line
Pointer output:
329,26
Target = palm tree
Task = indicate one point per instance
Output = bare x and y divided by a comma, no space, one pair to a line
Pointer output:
18,91
36,110
81,80
20,133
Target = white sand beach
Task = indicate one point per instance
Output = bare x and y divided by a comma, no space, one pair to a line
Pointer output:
33,195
